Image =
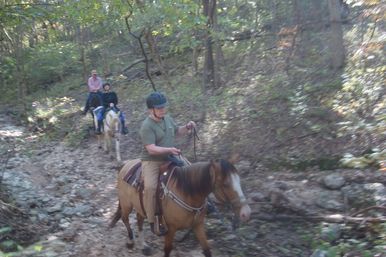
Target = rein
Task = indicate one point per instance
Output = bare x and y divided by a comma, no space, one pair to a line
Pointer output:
195,136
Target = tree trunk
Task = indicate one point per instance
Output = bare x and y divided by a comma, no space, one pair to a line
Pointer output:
208,72
275,18
82,51
195,55
20,73
106,64
156,55
297,12
336,48
218,50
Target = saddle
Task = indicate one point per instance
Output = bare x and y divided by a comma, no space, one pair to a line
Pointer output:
134,175
134,178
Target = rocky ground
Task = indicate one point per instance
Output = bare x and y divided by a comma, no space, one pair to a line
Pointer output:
69,195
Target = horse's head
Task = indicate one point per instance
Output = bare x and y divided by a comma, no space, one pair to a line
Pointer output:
227,187
112,120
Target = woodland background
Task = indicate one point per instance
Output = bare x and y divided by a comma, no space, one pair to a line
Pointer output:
290,85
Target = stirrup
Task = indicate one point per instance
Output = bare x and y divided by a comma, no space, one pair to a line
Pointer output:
158,227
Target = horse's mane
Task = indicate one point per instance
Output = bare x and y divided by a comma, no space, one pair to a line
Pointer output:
196,178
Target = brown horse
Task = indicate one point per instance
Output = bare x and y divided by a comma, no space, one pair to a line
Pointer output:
184,204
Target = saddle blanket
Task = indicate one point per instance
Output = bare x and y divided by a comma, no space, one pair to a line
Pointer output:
133,175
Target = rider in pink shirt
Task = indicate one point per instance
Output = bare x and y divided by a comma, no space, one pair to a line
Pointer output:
94,84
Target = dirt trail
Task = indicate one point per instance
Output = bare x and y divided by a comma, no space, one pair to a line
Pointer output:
71,193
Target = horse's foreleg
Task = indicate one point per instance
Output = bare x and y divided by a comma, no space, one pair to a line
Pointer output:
106,139
199,230
169,241
117,147
146,250
99,137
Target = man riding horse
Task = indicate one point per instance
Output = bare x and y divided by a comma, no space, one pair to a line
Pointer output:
157,133
94,84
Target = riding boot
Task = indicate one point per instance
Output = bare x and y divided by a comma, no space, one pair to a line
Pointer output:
85,110
86,107
124,130
161,231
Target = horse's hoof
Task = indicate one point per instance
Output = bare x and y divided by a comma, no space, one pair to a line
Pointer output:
130,245
146,251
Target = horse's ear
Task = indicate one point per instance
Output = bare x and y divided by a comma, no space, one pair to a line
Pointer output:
235,158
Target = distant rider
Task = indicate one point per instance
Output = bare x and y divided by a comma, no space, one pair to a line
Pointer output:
94,84
110,100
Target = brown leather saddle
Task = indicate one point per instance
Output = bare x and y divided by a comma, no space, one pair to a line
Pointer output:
134,178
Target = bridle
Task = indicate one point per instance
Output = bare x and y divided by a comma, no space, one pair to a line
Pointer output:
223,198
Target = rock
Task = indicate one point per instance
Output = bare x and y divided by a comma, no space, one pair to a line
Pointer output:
379,192
282,185
366,195
64,224
56,208
257,197
334,181
230,237
84,193
331,232
243,166
80,210
356,176
43,217
325,201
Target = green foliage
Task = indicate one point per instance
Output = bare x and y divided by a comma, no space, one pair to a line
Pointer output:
9,246
376,158
369,241
82,12
4,230
77,134
48,63
7,68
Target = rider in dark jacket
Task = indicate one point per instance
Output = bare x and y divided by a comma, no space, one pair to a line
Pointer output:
110,100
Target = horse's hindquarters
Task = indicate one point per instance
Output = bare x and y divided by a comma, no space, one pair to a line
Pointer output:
128,195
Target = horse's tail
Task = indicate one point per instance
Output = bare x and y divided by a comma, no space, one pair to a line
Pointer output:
116,217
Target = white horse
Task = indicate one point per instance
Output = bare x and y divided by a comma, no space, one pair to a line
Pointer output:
111,129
